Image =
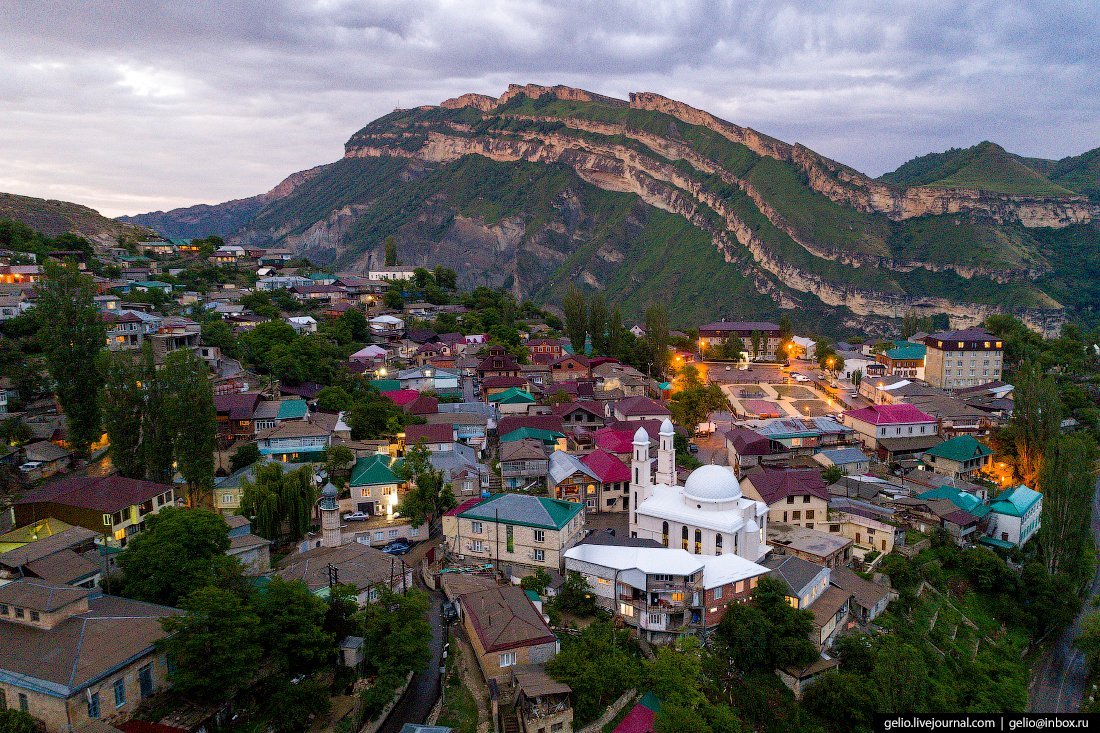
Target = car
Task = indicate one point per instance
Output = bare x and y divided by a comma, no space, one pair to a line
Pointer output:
853,395
29,466
450,612
397,547
356,517
728,368
692,448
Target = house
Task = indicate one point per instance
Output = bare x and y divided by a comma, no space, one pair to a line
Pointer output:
429,378
227,489
498,363
271,413
964,358
303,324
612,491
803,436
376,486
747,449
716,334
660,591
570,367
52,552
793,496
317,293
961,457
111,505
391,272
72,656
495,385
820,548
868,598
632,409
371,354
805,580
523,464
512,401
870,526
386,327
461,469
423,406
282,282
569,479
1015,515
368,569
49,459
505,630
470,427
893,431
234,415
850,460
516,531
541,702
295,440
126,331
251,551
906,359
544,350
437,437
580,414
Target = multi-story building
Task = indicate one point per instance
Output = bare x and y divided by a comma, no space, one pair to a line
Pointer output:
716,334
523,463
966,358
904,360
1015,514
893,430
297,440
506,631
961,457
793,496
517,532
569,479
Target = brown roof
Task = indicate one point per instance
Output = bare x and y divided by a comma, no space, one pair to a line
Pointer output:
541,422
639,406
533,681
430,433
356,563
62,568
776,484
751,443
826,605
101,493
85,647
866,593
527,449
422,405
504,618
47,546
294,429
40,596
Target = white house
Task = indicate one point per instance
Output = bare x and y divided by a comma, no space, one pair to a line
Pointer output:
428,378
391,272
708,515
387,326
303,324
879,423
1015,515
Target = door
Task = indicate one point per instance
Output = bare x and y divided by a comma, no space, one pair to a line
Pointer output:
367,507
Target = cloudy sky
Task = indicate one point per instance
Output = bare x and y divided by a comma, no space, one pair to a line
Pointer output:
130,105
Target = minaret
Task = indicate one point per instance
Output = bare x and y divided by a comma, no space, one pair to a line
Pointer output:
640,468
331,533
666,455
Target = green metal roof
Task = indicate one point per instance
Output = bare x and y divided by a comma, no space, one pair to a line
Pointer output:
1015,502
375,470
994,542
961,448
528,511
546,436
386,385
533,596
907,351
292,409
512,396
963,500
151,284
651,701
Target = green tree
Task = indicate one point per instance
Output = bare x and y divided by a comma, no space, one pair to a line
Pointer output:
656,334
732,347
396,632
123,404
280,503
1066,482
755,340
615,331
842,701
537,581
246,455
575,307
215,646
393,298
767,633
857,378
693,405
786,329
374,417
600,664
16,721
338,459
72,335
180,551
1089,641
190,419
445,277
429,496
391,251
156,436
900,677
597,324
292,621
832,474
575,596
1037,417
334,399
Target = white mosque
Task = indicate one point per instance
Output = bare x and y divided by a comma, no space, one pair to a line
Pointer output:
706,516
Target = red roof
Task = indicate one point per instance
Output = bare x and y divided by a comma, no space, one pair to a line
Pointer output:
608,468
102,494
402,397
468,504
141,726
640,719
751,443
505,382
638,406
541,422
614,440
890,415
566,408
423,405
437,433
237,405
777,484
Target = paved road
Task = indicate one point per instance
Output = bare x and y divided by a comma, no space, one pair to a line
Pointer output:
419,699
1059,680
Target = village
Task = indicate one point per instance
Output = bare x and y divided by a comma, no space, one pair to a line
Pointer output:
504,479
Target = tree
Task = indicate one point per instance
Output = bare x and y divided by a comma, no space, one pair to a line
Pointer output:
755,339
732,347
597,324
246,455
832,474
429,495
693,405
575,307
292,622
445,277
615,331
841,700
396,632
215,646
281,504
598,664
337,460
180,551
156,436
123,404
656,335
393,298
1066,482
374,417
72,335
1037,417
538,581
767,633
191,418
334,399
391,251
16,721
857,378
900,677
1089,641
575,596
786,329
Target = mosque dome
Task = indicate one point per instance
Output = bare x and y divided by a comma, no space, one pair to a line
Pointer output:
712,484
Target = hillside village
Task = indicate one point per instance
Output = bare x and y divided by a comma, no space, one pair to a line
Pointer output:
308,486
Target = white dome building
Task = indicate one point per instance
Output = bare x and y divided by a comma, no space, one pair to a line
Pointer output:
708,515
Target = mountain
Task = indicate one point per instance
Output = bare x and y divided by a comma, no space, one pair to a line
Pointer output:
653,200
54,218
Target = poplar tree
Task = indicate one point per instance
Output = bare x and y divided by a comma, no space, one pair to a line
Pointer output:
190,417
1066,482
597,324
615,331
575,307
123,405
1037,415
656,334
72,335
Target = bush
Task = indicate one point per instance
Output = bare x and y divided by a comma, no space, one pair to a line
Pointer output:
379,695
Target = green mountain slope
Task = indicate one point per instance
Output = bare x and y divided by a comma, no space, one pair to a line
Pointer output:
985,166
54,218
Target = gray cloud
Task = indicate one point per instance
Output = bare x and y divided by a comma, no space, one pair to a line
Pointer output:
135,105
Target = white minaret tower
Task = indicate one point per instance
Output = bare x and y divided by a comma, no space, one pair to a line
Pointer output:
332,535
640,468
666,455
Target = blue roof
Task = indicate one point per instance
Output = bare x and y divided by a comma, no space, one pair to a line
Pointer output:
844,456
292,409
1015,502
962,499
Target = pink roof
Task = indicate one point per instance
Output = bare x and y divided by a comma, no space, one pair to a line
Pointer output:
890,415
640,719
608,468
763,408
614,440
402,397
468,504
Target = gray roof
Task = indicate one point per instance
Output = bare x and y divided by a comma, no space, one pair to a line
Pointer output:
563,465
233,480
478,408
450,462
844,456
794,571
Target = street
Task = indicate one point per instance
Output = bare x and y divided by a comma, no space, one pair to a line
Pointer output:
416,704
1059,679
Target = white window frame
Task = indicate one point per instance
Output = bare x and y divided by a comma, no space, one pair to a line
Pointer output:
507,659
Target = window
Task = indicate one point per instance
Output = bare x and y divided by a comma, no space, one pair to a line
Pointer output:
806,499
698,542
3,609
227,498
540,535
479,546
809,514
145,680
790,500
834,527
540,555
796,516
379,536
476,527
718,544
23,704
508,659
120,692
392,534
35,616
93,705
683,540
19,612
664,530
717,593
656,618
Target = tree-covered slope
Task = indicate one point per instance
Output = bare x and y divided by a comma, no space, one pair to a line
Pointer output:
53,218
985,166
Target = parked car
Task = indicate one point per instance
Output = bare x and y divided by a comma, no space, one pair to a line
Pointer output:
853,395
692,448
450,612
356,517
29,466
398,547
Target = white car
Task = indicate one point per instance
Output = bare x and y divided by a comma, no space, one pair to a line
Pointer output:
356,517
853,395
29,466
800,378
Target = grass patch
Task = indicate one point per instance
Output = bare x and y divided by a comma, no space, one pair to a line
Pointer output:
459,706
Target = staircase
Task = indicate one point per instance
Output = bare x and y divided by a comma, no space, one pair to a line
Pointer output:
509,721
496,483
